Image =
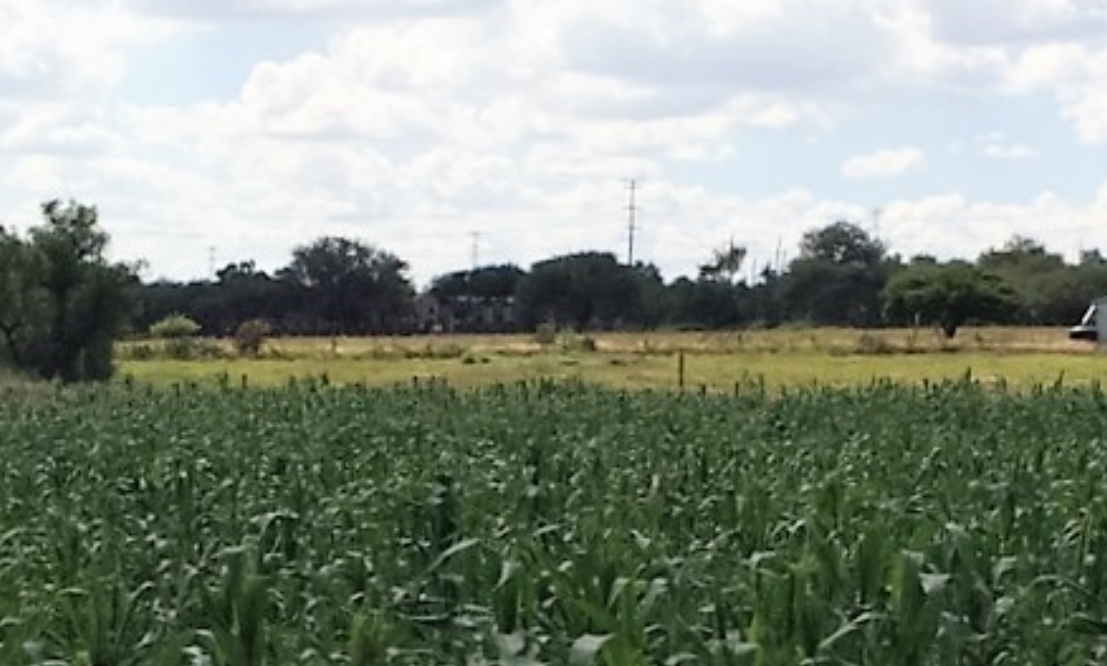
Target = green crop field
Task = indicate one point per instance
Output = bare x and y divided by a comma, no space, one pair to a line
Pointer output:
544,523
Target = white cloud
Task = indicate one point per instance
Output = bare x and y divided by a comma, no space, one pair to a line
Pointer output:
58,128
50,47
883,164
836,47
214,11
997,146
922,59
1077,76
423,120
926,225
976,22
1009,151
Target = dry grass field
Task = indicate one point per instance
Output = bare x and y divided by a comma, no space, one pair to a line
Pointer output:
716,360
829,340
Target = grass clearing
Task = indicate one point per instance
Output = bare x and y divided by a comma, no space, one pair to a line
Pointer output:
838,357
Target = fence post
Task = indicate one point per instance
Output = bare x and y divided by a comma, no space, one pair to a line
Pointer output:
680,370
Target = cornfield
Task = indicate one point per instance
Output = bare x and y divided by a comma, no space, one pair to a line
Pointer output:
558,524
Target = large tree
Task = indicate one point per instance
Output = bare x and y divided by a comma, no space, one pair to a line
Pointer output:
63,303
485,282
24,303
353,287
837,278
1028,267
716,299
477,300
585,290
948,296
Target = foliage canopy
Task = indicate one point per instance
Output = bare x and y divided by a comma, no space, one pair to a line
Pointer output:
62,302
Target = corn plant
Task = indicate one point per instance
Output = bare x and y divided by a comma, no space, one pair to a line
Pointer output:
547,523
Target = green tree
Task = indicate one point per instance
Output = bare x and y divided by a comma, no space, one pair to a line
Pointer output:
244,293
477,300
725,264
64,302
584,290
843,243
948,296
24,303
837,278
1027,266
706,303
716,299
485,282
353,287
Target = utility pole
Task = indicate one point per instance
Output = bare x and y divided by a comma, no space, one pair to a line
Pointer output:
211,262
877,212
632,211
475,249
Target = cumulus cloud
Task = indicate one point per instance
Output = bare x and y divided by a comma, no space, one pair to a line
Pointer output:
922,226
1020,49
996,145
976,22
420,121
209,11
883,164
999,149
1076,75
835,47
53,48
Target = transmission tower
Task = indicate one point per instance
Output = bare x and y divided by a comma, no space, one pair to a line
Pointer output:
632,212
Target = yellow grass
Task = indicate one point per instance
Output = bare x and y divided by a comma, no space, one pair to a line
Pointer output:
830,340
779,358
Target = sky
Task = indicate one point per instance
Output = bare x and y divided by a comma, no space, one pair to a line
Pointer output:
452,131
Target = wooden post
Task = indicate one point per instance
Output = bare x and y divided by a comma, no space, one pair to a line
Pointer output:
680,370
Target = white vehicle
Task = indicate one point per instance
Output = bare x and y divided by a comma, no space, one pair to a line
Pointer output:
1087,328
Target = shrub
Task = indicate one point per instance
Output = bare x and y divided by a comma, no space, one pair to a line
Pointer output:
872,343
546,334
179,333
576,342
173,327
180,349
249,337
137,352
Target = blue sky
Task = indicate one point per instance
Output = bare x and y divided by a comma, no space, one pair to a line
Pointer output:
210,62
251,126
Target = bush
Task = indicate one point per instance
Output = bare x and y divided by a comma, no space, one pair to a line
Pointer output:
137,352
545,334
871,343
576,342
249,337
179,333
174,326
472,358
179,348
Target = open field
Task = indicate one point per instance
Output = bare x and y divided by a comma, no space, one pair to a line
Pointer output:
793,357
553,524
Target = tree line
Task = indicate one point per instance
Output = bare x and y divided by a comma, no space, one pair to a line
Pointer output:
841,276
62,302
